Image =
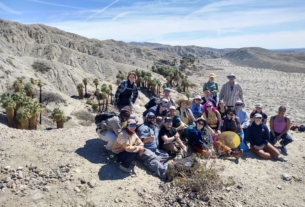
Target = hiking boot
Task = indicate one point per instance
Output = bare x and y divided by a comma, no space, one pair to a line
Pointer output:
127,170
280,158
237,154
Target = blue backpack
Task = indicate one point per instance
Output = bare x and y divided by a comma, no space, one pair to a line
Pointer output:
188,133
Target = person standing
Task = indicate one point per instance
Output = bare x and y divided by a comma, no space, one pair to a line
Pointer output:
125,90
279,126
231,92
207,97
213,86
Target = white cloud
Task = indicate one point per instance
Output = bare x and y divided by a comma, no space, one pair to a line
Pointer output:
7,9
52,4
101,10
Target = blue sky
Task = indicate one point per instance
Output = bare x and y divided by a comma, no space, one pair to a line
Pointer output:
220,24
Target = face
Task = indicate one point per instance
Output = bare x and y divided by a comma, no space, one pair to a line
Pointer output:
163,106
230,115
238,106
183,104
257,120
231,78
172,112
168,124
200,125
166,94
221,103
132,78
125,116
207,93
211,79
151,119
132,127
282,111
258,109
209,107
197,101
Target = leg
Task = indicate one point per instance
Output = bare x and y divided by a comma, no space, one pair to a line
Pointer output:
169,147
201,151
126,158
162,156
109,137
268,152
286,139
272,138
223,149
272,150
154,163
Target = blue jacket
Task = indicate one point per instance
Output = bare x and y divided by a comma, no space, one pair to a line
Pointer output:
258,134
196,138
196,109
210,99
145,130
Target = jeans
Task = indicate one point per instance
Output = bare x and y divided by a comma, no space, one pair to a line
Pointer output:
155,161
125,158
109,137
285,138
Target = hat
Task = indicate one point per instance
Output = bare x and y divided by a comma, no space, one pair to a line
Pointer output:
259,105
198,97
257,115
172,107
230,139
186,100
125,109
164,101
201,119
167,118
231,74
212,75
149,114
131,121
167,89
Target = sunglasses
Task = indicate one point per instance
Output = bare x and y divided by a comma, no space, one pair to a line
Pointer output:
238,104
152,117
164,106
258,117
166,91
201,123
132,125
197,99
231,76
231,114
168,121
220,103
209,106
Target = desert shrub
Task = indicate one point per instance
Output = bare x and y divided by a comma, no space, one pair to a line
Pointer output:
95,107
41,67
89,102
84,115
48,97
179,89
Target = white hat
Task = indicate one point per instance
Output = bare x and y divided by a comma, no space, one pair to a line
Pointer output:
197,97
172,107
259,105
257,115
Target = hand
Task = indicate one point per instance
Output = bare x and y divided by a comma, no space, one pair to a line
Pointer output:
151,138
218,132
278,138
256,147
184,150
141,151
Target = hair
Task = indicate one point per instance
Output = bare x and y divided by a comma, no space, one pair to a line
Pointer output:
205,109
205,123
224,103
132,73
282,107
206,89
231,110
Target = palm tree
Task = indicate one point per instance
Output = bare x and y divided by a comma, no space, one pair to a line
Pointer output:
40,97
145,81
108,93
26,102
97,93
104,88
164,86
20,79
187,84
35,110
9,104
95,81
104,96
177,78
23,115
18,97
32,81
159,86
168,80
141,80
153,86
17,85
85,81
110,88
59,116
29,88
80,88
188,94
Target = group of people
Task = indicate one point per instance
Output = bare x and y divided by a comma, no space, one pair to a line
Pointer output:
211,127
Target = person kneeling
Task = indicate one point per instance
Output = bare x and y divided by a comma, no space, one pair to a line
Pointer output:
259,140
127,146
202,142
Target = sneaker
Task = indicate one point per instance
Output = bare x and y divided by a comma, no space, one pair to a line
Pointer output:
280,158
127,170
237,154
284,150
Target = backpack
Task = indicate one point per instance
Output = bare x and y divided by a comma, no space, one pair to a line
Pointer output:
187,111
152,102
104,116
302,128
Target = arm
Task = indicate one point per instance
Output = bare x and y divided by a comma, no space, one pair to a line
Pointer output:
145,134
271,126
135,94
219,122
224,125
197,139
181,126
118,92
241,95
204,86
169,139
138,146
114,123
191,116
216,90
179,142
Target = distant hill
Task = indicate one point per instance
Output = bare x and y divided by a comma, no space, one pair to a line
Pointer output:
146,44
290,50
262,58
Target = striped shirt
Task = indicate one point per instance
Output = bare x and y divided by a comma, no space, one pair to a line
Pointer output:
231,96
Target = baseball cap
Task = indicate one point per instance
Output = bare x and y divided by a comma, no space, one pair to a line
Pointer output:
257,115
259,105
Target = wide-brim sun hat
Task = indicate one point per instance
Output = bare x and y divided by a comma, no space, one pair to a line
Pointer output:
230,139
212,75
184,99
198,97
231,74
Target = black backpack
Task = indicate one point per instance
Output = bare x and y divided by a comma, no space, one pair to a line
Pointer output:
104,116
152,102
302,128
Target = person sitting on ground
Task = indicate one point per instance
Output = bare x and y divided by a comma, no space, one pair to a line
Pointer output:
222,109
184,112
258,109
279,126
159,111
197,107
231,92
212,116
127,146
202,142
213,86
166,95
207,97
109,129
125,90
168,135
152,156
177,123
258,135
